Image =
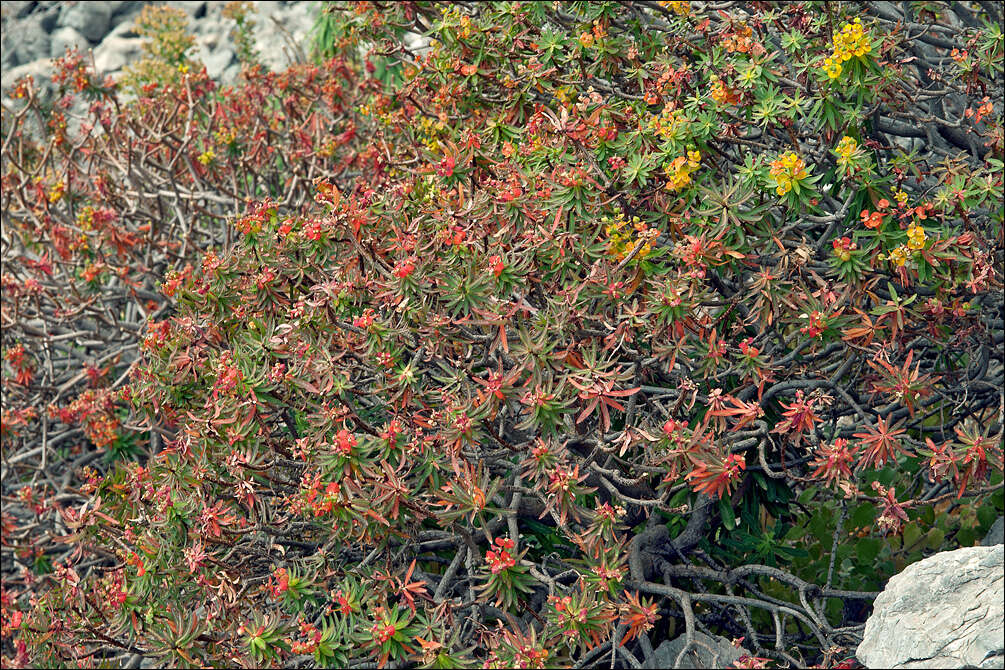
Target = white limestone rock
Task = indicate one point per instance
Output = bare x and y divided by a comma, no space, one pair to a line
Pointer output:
947,611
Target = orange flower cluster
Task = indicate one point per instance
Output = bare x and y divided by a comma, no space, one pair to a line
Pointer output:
501,559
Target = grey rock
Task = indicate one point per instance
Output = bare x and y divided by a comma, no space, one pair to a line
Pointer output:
91,19
947,611
8,55
16,9
299,20
195,8
708,652
997,662
124,29
213,30
231,74
217,62
32,41
125,14
114,53
50,16
66,38
996,535
277,47
40,70
126,10
8,59
420,43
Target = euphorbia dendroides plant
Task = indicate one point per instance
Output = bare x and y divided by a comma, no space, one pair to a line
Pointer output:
601,323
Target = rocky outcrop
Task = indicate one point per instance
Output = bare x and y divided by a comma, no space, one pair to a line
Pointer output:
90,19
44,30
947,611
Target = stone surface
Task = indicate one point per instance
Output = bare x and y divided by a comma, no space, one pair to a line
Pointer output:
31,40
90,19
710,652
231,74
996,535
276,45
217,62
126,11
114,53
66,38
947,611
44,29
15,8
195,8
49,12
125,28
40,69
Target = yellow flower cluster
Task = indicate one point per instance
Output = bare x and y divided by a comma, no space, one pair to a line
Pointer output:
899,256
900,197
622,238
206,157
430,131
679,172
328,149
465,27
85,218
786,170
670,124
226,137
851,41
57,191
678,8
916,237
845,150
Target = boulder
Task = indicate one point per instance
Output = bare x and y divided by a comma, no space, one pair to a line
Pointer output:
32,42
231,74
114,53
274,45
8,59
946,611
126,10
996,535
8,54
40,70
124,28
213,31
217,62
91,19
66,38
194,8
17,9
708,652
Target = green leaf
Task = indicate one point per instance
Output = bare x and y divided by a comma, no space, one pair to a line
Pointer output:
820,527
986,514
863,516
967,537
912,533
934,538
728,515
866,550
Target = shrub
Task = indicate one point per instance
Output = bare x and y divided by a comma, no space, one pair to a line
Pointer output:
166,50
635,318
